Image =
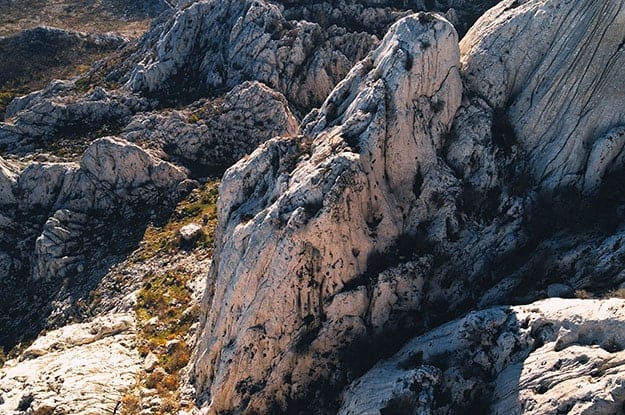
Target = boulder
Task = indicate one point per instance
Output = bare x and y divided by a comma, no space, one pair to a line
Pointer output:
190,233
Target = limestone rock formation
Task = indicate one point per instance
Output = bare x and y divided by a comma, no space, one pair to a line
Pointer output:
434,178
562,106
60,215
403,197
548,357
301,49
216,134
82,368
220,44
42,117
310,230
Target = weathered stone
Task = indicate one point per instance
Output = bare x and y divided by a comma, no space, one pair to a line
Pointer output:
560,106
150,362
8,179
215,135
82,368
190,232
560,290
44,117
364,180
114,175
226,43
551,356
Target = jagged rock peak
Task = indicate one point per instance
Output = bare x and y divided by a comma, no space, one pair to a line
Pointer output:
554,67
214,45
306,216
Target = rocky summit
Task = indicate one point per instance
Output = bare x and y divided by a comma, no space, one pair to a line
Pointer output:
312,207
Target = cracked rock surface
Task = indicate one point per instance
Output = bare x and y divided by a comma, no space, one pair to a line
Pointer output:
57,214
361,174
216,134
563,106
411,196
549,357
78,369
391,189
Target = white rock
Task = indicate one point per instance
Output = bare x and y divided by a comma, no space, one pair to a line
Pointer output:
553,65
249,40
307,228
150,362
190,232
43,116
534,372
81,368
218,133
8,179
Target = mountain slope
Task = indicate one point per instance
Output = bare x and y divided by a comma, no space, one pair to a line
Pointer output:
390,189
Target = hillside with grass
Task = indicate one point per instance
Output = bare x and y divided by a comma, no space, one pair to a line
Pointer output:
127,18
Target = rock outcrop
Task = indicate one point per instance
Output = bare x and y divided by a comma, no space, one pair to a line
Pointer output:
215,134
300,49
59,216
82,368
399,199
115,178
310,230
215,45
553,68
39,119
435,177
550,357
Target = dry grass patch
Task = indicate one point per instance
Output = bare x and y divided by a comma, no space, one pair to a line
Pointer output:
163,305
91,16
199,207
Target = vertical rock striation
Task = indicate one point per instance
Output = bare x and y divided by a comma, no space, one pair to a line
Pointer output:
304,220
214,45
553,67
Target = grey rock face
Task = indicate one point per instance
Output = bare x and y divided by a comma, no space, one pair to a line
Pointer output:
543,358
324,219
562,106
81,368
61,216
363,180
115,177
301,49
221,44
217,133
41,117
8,177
